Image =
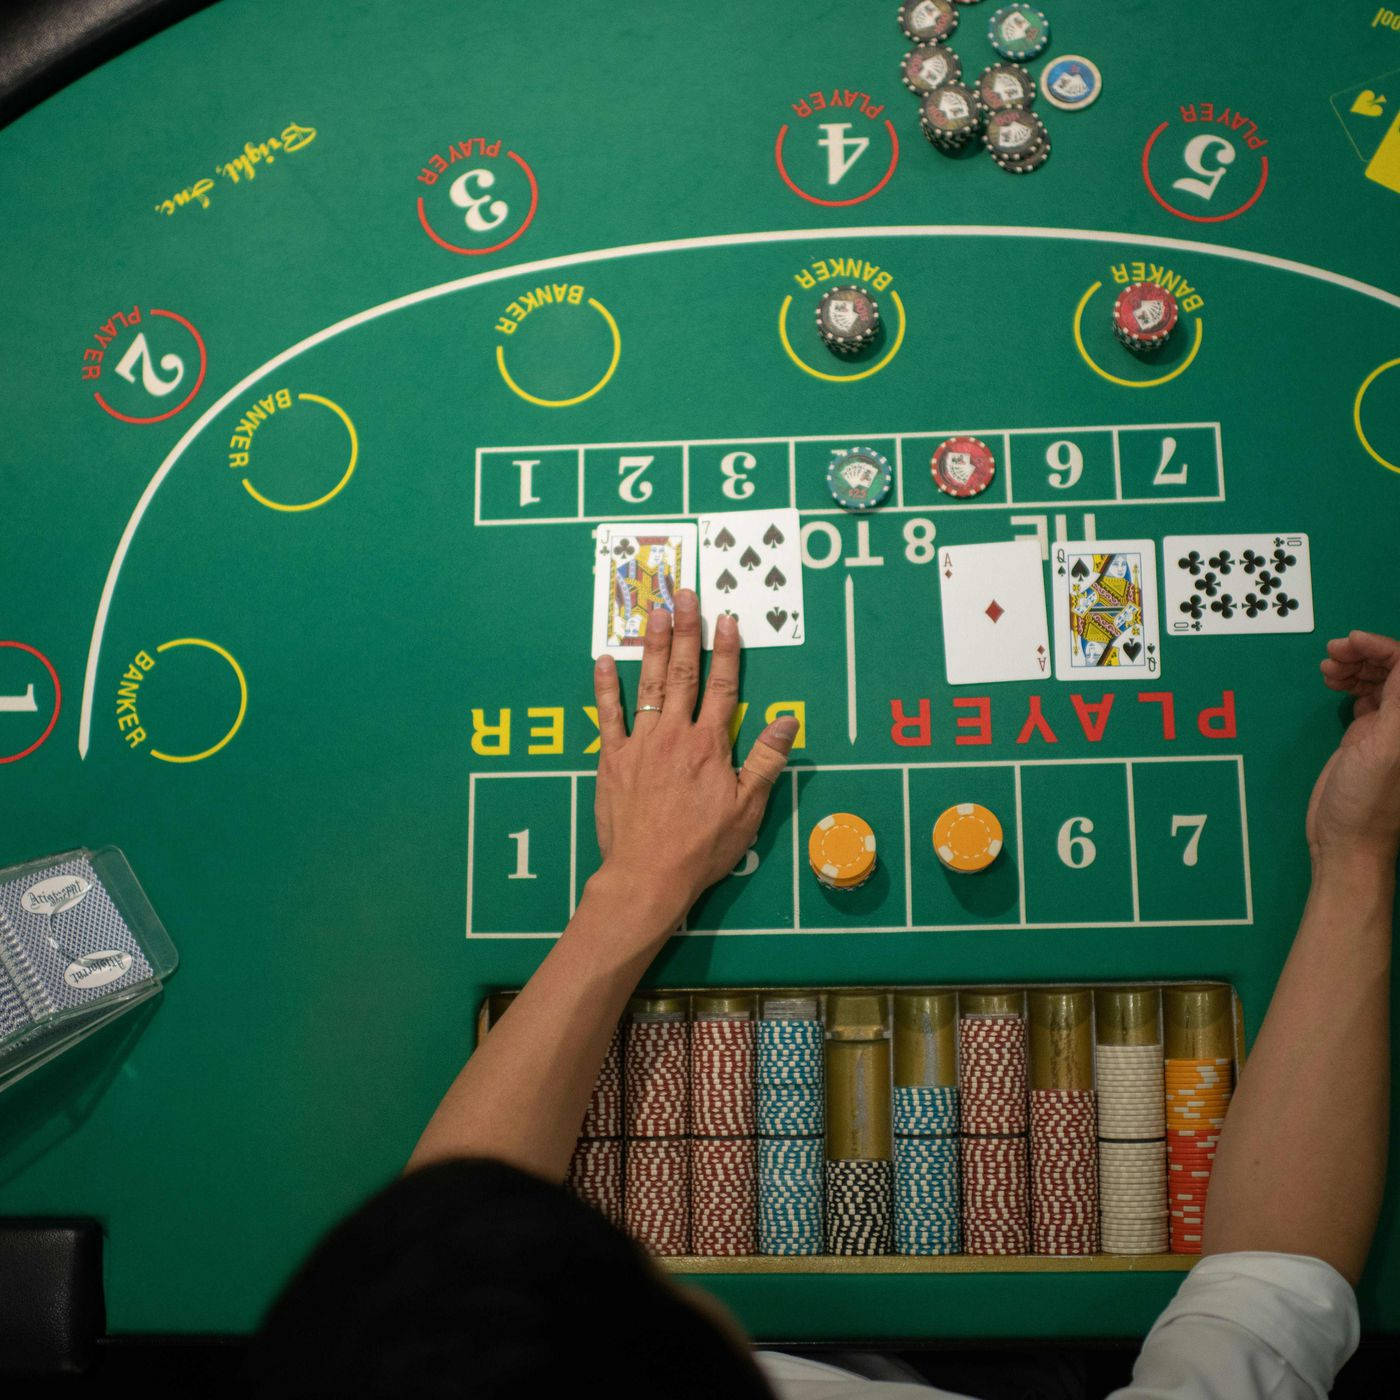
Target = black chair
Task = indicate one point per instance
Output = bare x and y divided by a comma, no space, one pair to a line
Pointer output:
52,1308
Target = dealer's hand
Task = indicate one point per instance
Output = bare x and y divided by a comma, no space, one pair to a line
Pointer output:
1355,806
673,817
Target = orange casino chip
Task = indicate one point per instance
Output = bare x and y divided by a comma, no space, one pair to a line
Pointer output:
967,837
841,850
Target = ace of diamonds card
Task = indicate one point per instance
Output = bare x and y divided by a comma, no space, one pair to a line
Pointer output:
993,601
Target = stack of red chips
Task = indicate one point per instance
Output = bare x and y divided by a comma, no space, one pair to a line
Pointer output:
1064,1172
992,1095
657,1190
595,1169
723,1164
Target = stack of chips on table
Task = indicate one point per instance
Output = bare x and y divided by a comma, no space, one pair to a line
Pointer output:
1064,1137
927,1199
1198,1094
950,117
1132,1121
657,1086
1145,314
1198,1038
595,1169
859,1167
723,1190
992,1085
791,1127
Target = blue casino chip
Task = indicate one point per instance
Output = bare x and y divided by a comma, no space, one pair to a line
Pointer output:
1070,82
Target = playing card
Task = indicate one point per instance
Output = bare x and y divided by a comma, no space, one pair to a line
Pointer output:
1217,584
63,943
993,599
751,566
637,568
1105,610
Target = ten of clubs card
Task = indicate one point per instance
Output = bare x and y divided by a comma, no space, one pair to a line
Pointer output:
637,568
993,598
1237,584
1105,616
751,568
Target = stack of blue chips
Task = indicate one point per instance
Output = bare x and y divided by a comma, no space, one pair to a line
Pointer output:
927,1209
791,1128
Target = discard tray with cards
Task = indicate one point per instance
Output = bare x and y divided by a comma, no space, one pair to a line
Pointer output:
79,945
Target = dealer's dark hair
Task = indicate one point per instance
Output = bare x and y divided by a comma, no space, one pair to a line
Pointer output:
473,1279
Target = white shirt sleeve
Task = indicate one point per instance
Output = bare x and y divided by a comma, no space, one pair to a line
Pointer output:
798,1378
1249,1326
1241,1327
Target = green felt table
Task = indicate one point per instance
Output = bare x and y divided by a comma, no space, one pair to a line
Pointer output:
286,618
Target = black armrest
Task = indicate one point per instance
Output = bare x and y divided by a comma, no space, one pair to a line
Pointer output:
46,44
52,1309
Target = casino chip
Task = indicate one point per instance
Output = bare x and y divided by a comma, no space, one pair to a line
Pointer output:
859,1206
928,67
950,117
1144,316
927,1199
848,319
1017,139
841,851
962,466
996,1181
791,1118
1198,1095
1071,82
967,837
1018,32
1132,1156
656,1075
928,21
1004,85
858,478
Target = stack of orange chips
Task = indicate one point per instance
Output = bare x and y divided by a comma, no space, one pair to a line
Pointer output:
841,851
1198,1094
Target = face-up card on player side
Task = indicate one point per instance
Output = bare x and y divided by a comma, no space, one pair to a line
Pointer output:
1237,584
1104,611
751,567
637,568
993,598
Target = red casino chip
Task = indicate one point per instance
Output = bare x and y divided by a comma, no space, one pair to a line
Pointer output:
1144,315
962,466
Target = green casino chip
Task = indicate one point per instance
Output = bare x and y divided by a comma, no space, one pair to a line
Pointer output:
858,478
1018,32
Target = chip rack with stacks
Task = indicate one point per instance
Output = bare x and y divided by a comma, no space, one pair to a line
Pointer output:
911,1129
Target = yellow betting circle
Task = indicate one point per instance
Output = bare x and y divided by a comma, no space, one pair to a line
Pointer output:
242,700
1366,383
841,378
577,398
338,487
1115,379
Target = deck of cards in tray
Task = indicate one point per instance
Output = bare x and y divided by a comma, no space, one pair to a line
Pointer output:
79,945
